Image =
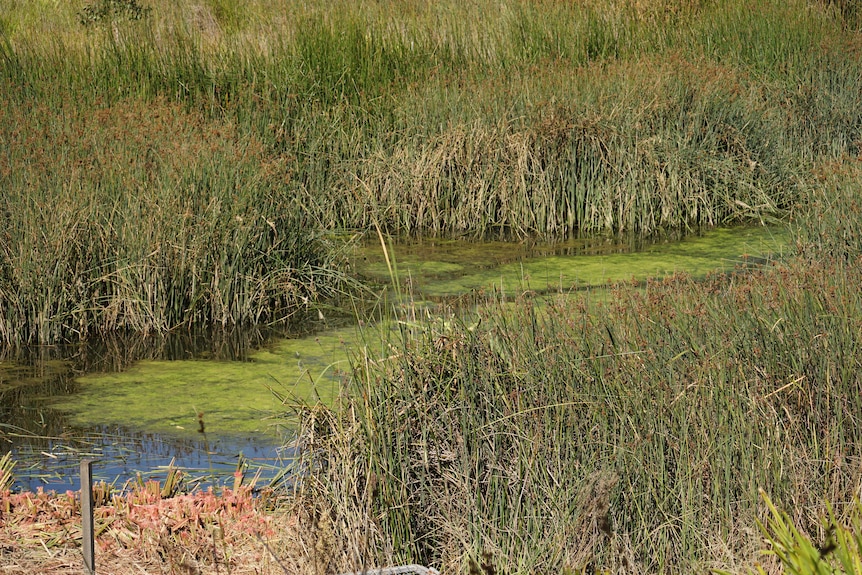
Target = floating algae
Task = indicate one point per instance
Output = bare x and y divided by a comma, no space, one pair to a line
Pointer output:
238,397
158,407
448,268
231,398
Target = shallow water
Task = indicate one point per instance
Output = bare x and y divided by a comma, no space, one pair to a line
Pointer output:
198,406
204,404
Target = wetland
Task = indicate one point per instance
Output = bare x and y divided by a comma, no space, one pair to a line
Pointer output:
212,403
502,286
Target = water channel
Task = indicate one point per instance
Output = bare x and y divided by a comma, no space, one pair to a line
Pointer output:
213,402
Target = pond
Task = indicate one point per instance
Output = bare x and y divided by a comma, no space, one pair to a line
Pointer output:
213,403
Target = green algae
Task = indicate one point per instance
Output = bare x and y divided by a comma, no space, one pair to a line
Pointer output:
15,374
239,398
235,398
562,267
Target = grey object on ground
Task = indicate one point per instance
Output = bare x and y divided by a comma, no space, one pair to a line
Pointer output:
399,570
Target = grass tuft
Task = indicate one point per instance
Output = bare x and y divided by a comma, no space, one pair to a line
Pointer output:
177,163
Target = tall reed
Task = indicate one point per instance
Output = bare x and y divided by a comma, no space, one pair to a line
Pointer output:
172,223
484,119
627,431
515,119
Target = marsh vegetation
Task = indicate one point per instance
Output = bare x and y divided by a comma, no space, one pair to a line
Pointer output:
627,431
184,164
171,165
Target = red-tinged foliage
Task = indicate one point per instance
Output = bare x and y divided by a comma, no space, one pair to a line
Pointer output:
142,532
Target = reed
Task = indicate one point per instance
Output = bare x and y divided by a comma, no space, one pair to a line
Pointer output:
169,224
484,119
7,465
799,554
628,430
182,169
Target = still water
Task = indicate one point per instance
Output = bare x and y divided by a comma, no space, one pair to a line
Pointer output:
216,402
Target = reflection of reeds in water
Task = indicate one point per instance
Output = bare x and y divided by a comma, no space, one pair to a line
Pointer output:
32,427
121,454
206,444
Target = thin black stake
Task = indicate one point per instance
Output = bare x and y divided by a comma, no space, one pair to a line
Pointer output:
88,542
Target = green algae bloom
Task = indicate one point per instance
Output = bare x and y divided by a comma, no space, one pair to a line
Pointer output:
240,398
233,398
450,268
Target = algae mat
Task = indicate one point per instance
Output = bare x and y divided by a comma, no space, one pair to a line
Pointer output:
232,398
448,268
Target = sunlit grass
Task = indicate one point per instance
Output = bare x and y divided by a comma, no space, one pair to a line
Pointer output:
145,217
174,169
180,170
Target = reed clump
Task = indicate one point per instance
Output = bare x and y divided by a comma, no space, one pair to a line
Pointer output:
144,217
627,430
180,164
174,163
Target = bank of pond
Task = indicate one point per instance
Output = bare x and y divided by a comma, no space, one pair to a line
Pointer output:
505,405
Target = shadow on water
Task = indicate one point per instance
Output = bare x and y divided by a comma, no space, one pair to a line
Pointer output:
212,401
441,270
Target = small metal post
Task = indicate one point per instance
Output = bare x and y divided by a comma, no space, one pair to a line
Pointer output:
88,542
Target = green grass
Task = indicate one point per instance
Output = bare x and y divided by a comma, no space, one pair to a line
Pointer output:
184,169
145,218
839,553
